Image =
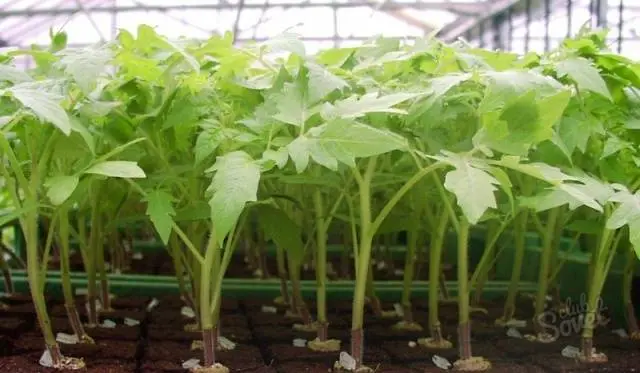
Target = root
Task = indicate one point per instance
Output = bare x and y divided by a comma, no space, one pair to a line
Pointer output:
337,368
473,364
86,339
330,345
596,357
215,368
442,344
70,363
408,326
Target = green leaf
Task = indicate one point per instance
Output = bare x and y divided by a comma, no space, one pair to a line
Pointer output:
206,144
13,74
234,183
348,139
575,132
286,42
123,169
559,195
353,106
585,75
44,104
627,210
303,147
282,230
541,171
613,145
85,65
322,82
60,188
291,104
160,211
78,127
279,157
474,188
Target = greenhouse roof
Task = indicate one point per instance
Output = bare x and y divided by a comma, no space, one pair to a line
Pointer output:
320,22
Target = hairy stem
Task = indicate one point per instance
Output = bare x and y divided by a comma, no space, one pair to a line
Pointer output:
520,246
464,326
435,257
545,266
321,265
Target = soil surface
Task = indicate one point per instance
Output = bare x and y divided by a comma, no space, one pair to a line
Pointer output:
264,341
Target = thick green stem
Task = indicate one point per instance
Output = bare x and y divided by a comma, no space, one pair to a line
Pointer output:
435,258
206,315
464,327
90,265
630,314
520,246
545,266
409,269
65,275
321,265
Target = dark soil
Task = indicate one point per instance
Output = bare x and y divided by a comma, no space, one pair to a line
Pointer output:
159,343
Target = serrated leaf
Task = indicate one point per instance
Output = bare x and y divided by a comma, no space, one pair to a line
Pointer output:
627,210
279,157
60,188
123,169
13,74
303,148
585,75
347,139
322,82
353,106
206,144
85,65
282,230
160,211
575,132
45,105
286,42
291,105
474,190
613,145
541,171
234,184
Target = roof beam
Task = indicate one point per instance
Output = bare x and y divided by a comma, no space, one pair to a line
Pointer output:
461,7
463,24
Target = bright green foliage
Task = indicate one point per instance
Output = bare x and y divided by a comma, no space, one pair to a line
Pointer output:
161,213
124,169
45,105
585,75
234,183
60,188
280,228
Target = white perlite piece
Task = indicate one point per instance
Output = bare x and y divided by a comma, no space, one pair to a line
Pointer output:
68,339
571,352
137,255
441,362
191,363
187,312
298,342
226,343
381,265
514,333
621,332
153,304
269,309
412,344
46,360
347,362
109,324
131,322
399,272
515,323
399,309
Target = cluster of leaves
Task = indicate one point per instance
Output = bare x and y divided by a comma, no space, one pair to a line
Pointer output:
217,127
